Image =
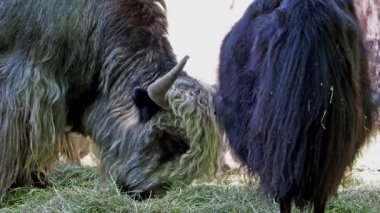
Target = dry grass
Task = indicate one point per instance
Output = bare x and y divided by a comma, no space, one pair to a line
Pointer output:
81,190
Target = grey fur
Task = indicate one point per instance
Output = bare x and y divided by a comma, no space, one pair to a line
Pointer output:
77,63
136,164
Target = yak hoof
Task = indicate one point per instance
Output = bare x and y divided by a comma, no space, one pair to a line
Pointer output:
40,180
285,206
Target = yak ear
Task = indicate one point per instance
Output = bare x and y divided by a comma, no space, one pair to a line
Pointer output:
147,108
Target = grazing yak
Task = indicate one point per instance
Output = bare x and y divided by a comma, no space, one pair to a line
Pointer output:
294,96
105,69
73,147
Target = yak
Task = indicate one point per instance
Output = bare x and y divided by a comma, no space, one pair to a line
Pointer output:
104,69
73,147
294,96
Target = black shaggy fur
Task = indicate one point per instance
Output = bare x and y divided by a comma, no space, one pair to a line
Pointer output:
295,96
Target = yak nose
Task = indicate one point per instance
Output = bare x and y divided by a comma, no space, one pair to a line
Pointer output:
135,194
125,188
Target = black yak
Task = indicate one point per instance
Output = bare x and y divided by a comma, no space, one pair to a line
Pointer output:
295,97
100,68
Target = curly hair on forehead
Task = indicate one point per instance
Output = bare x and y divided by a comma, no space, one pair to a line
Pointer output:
180,144
203,146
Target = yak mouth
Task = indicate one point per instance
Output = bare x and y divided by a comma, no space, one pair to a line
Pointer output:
171,147
156,191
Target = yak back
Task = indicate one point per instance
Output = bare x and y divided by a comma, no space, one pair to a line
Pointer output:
88,47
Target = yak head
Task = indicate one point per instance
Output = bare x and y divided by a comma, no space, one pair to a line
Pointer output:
168,133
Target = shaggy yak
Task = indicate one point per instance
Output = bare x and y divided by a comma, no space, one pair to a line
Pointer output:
295,97
73,147
106,69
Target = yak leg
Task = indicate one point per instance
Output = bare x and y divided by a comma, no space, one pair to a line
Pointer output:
320,205
32,114
285,205
39,179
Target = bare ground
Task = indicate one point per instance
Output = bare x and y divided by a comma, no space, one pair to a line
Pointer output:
367,167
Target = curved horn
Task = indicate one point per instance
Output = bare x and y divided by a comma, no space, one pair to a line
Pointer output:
158,89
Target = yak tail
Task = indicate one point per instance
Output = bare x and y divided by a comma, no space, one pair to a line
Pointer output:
313,106
31,116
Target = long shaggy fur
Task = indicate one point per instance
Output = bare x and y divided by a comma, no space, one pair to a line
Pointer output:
78,63
176,145
294,95
30,120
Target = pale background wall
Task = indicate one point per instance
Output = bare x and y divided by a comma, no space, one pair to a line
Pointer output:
197,28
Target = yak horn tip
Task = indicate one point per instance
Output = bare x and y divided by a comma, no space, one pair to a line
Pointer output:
184,59
158,89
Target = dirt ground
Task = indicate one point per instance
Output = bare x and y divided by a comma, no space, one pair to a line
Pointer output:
367,167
